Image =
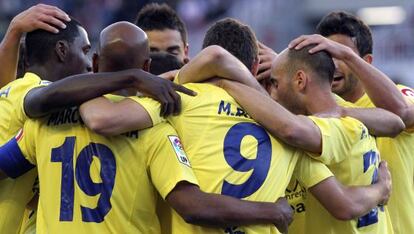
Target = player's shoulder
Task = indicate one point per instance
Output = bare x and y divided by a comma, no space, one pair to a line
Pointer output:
204,88
157,131
29,81
343,126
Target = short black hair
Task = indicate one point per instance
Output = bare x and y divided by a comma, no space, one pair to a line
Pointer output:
162,62
156,16
235,37
320,63
40,43
340,22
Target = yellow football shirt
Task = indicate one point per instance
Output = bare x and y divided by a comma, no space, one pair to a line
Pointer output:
229,152
15,193
398,153
296,195
351,154
93,184
309,172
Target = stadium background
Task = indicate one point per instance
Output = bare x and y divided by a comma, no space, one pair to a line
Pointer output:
275,22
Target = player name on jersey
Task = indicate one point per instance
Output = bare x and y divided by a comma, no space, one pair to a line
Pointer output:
225,108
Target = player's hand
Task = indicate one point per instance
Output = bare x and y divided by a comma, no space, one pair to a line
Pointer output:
284,215
384,179
266,57
336,49
41,16
163,91
170,75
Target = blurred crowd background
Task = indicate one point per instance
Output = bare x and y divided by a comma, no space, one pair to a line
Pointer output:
275,22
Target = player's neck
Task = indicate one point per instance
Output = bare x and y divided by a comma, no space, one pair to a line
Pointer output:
322,103
44,72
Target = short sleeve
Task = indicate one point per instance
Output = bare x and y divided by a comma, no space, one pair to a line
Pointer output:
339,135
26,140
151,106
33,82
168,163
310,172
18,155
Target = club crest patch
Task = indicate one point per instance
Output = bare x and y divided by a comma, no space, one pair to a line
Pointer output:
179,150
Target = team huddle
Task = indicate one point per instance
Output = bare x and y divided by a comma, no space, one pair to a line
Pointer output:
238,139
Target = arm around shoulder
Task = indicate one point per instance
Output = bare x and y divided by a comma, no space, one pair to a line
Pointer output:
107,118
197,207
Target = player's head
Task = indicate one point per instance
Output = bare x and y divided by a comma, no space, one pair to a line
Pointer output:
66,51
122,45
296,74
162,62
237,38
348,30
22,62
166,31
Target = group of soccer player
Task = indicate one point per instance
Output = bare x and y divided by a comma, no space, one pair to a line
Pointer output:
238,139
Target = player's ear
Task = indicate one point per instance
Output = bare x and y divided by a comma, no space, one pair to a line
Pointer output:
62,50
300,80
368,58
147,65
95,62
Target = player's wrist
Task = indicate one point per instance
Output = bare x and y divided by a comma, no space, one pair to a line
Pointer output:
14,32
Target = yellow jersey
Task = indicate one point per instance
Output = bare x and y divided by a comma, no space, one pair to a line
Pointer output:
95,184
351,154
296,196
15,193
229,152
398,153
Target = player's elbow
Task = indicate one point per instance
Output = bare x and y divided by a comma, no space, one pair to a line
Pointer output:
407,117
194,216
215,53
397,127
391,129
97,123
289,134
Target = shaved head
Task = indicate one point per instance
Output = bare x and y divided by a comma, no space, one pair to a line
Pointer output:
123,45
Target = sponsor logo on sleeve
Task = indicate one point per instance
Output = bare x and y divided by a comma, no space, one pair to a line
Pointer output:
179,150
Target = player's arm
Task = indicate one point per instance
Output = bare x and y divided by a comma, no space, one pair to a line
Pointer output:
214,61
295,130
74,90
353,201
41,16
197,207
113,118
12,160
378,86
379,122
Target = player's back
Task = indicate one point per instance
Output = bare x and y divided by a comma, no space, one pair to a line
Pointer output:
94,184
14,194
352,155
397,152
230,153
